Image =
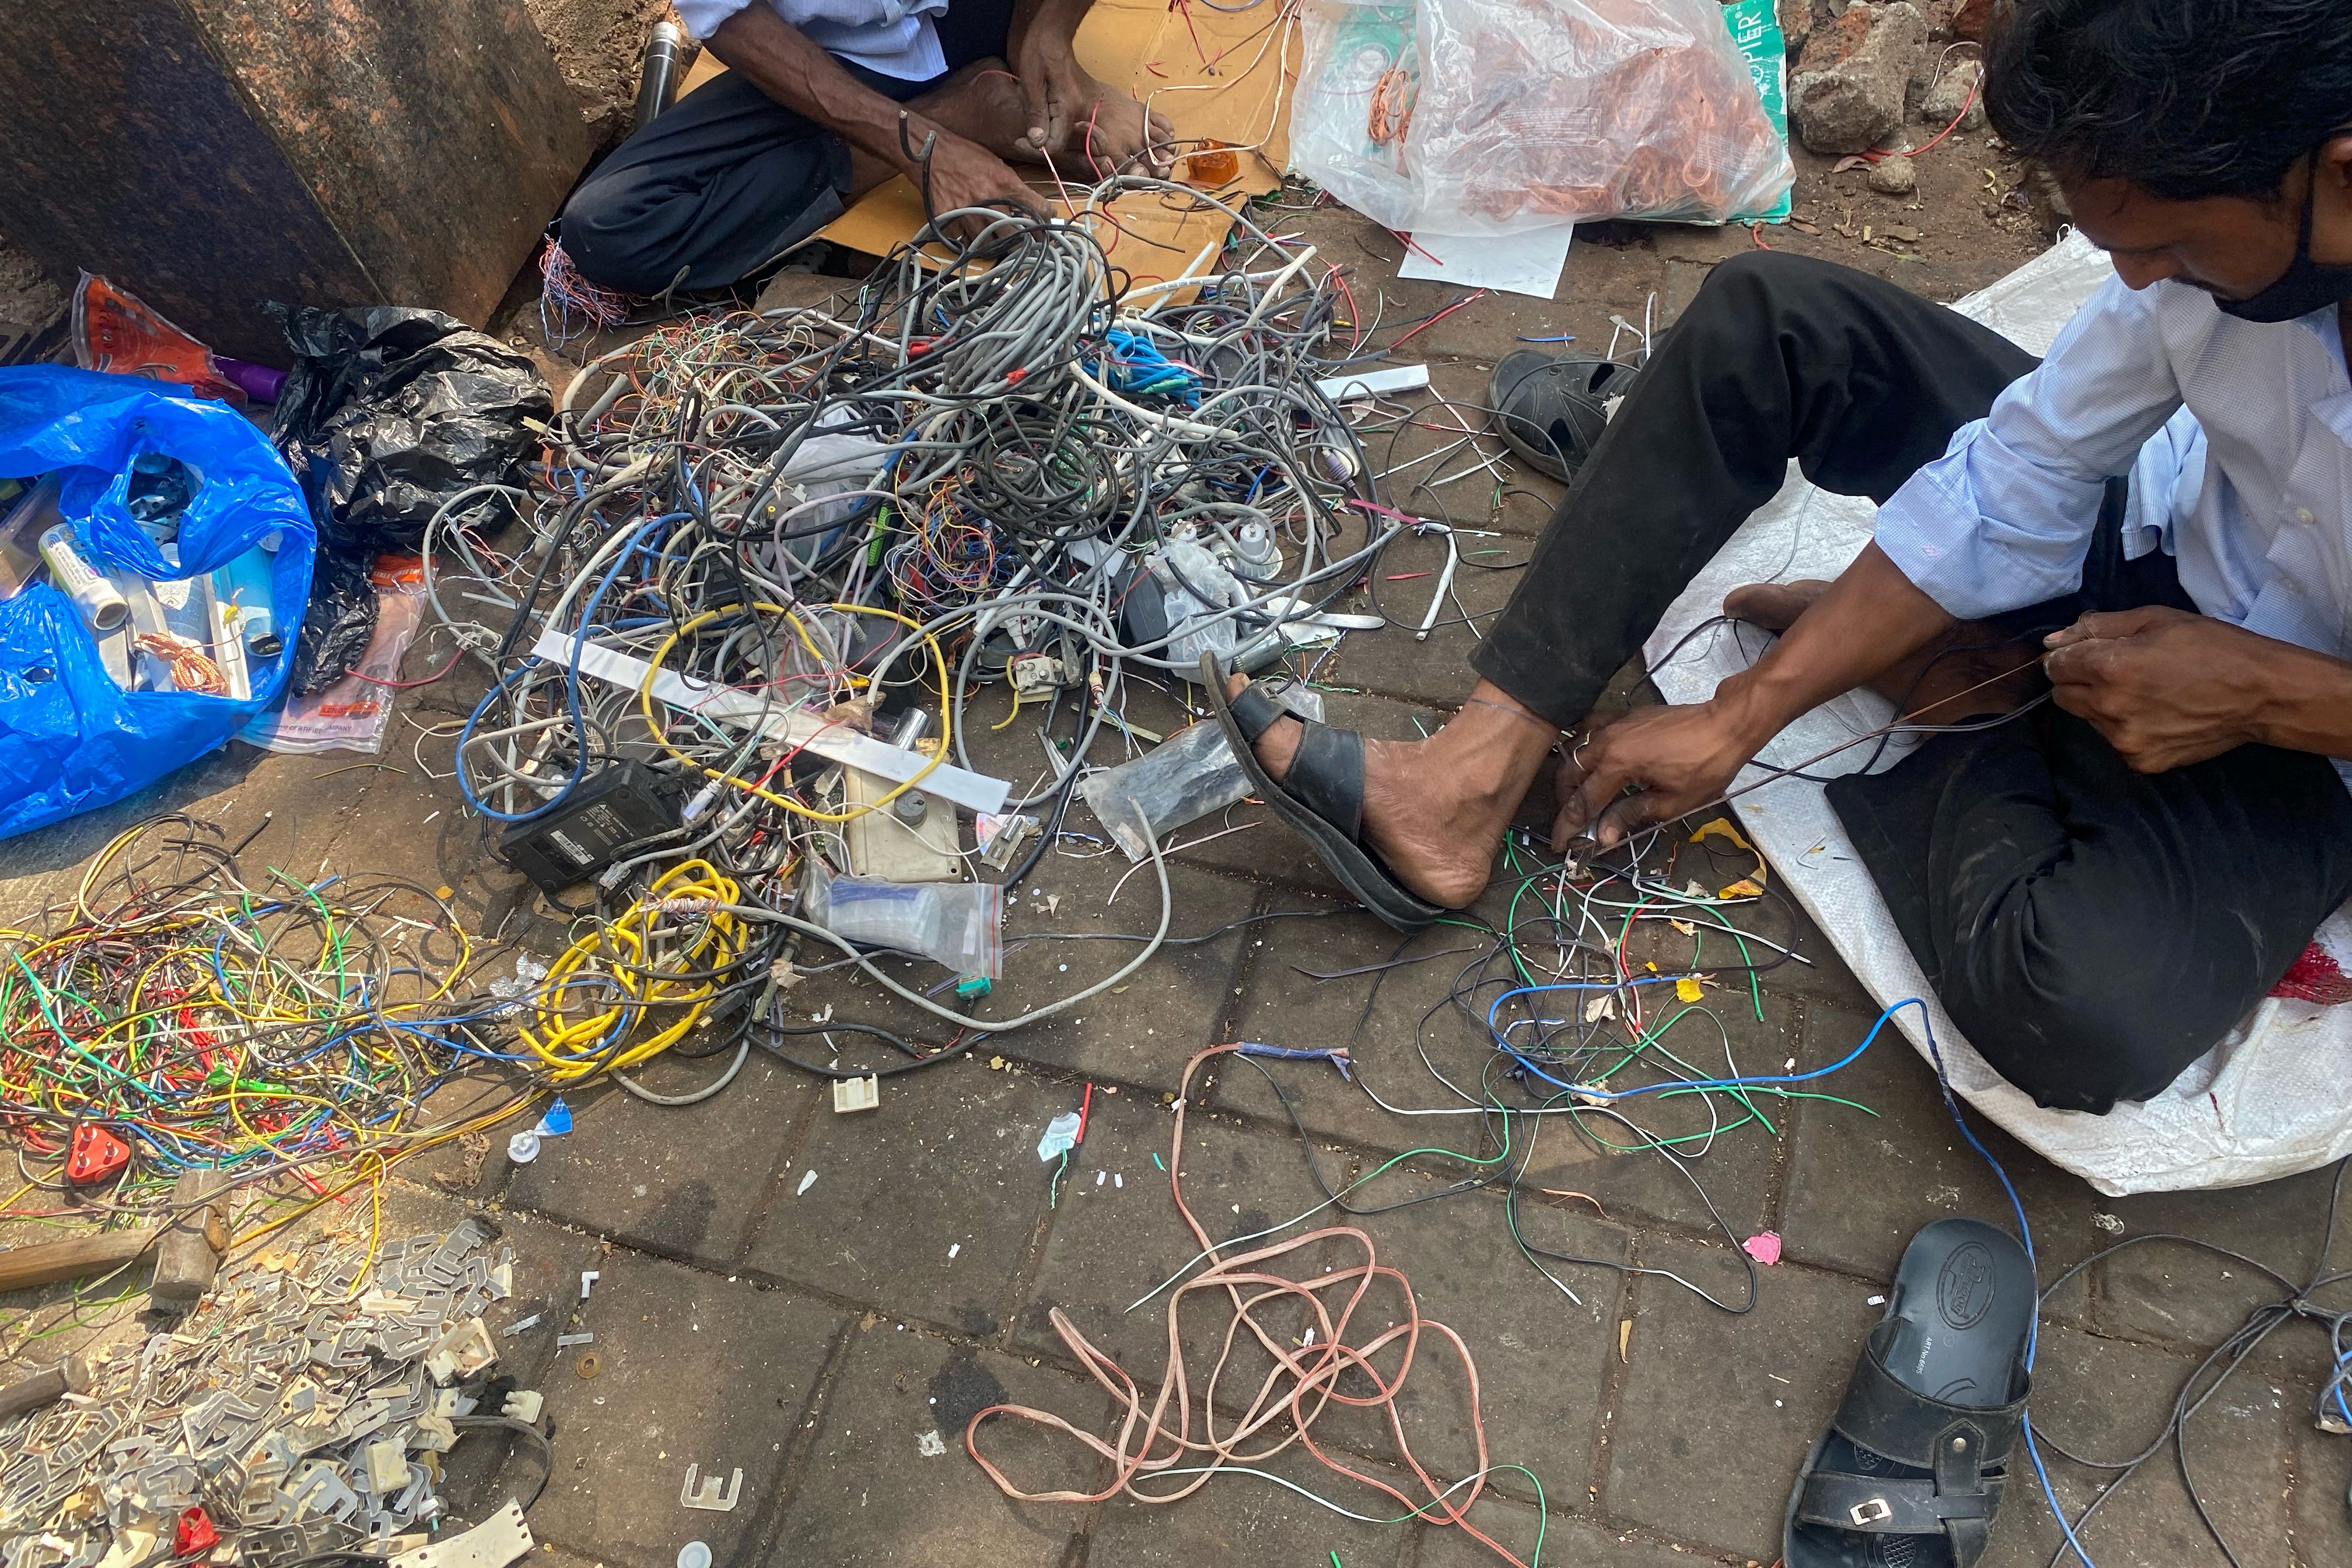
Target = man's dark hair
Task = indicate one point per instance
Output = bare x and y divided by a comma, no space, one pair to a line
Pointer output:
2183,98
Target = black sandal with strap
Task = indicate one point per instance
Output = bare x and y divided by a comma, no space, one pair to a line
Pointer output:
1321,798
1912,1469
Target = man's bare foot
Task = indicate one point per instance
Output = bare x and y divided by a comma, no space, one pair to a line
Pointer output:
1774,606
1435,810
1111,130
1972,671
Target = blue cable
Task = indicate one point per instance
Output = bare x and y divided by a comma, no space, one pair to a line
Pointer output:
1682,1085
1943,1083
570,690
2025,1234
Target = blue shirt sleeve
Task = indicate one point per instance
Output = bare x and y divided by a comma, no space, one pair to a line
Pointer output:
2004,518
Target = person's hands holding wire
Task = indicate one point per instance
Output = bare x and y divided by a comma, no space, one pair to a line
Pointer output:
1113,131
2167,687
955,173
1671,759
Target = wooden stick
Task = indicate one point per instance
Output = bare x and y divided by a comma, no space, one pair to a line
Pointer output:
46,1262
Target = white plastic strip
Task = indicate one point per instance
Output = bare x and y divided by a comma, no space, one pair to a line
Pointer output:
973,791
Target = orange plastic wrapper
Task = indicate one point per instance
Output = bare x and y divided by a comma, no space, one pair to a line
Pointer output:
119,332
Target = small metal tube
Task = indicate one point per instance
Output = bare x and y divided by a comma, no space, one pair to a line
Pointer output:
657,76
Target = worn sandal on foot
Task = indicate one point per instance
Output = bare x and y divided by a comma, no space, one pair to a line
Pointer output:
1912,1468
1321,798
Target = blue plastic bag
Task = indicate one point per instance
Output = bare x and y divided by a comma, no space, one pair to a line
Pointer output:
71,738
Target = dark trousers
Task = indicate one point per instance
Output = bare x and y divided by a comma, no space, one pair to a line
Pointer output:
728,179
2093,930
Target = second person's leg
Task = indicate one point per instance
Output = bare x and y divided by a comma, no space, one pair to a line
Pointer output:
1777,357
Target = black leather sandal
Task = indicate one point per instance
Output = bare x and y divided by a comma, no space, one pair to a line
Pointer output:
1321,798
1912,1469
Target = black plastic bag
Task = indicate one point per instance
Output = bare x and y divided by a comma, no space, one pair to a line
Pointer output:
338,624
391,411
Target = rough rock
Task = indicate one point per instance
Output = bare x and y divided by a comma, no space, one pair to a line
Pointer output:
1961,83
1800,19
2046,197
1893,176
1851,94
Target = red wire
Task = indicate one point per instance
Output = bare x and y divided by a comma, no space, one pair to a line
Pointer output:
1437,318
406,685
1966,104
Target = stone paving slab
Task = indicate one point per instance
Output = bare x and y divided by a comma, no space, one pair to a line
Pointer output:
691,1369
1542,1360
1109,1244
1717,1411
1736,1169
1397,662
1861,1186
1140,1031
1568,1541
2320,1516
1411,1016
680,1182
1243,1520
2108,1400
867,1494
873,1226
2163,1292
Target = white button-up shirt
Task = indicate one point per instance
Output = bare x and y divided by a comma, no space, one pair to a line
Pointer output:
895,37
2237,436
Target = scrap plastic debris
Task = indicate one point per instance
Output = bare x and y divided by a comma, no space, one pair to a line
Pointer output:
1061,1136
296,1394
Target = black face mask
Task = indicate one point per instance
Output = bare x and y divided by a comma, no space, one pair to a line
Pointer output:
2305,287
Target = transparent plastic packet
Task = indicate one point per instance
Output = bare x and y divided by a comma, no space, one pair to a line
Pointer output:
1535,112
355,713
1359,76
959,924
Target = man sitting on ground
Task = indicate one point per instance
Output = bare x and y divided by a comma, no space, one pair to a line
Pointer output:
2153,527
825,98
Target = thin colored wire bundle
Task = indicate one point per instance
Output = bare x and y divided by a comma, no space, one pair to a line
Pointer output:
214,1016
1156,1437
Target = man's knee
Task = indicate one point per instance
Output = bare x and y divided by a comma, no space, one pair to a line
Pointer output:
605,231
1750,286
2075,1035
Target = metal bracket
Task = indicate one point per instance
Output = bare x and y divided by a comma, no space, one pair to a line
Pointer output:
711,1495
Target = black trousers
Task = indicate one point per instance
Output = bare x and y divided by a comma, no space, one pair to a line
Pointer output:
727,178
2093,930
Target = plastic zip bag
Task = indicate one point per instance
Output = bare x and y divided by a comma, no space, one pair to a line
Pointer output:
959,924
1358,81
1535,112
1503,116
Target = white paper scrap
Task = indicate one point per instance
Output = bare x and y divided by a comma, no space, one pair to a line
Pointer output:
1526,263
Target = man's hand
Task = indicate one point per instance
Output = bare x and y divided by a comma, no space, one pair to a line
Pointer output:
1675,758
963,174
2165,687
1070,111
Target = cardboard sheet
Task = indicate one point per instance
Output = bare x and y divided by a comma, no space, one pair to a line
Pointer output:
1216,75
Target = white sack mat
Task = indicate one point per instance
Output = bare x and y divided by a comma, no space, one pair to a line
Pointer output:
2272,1099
